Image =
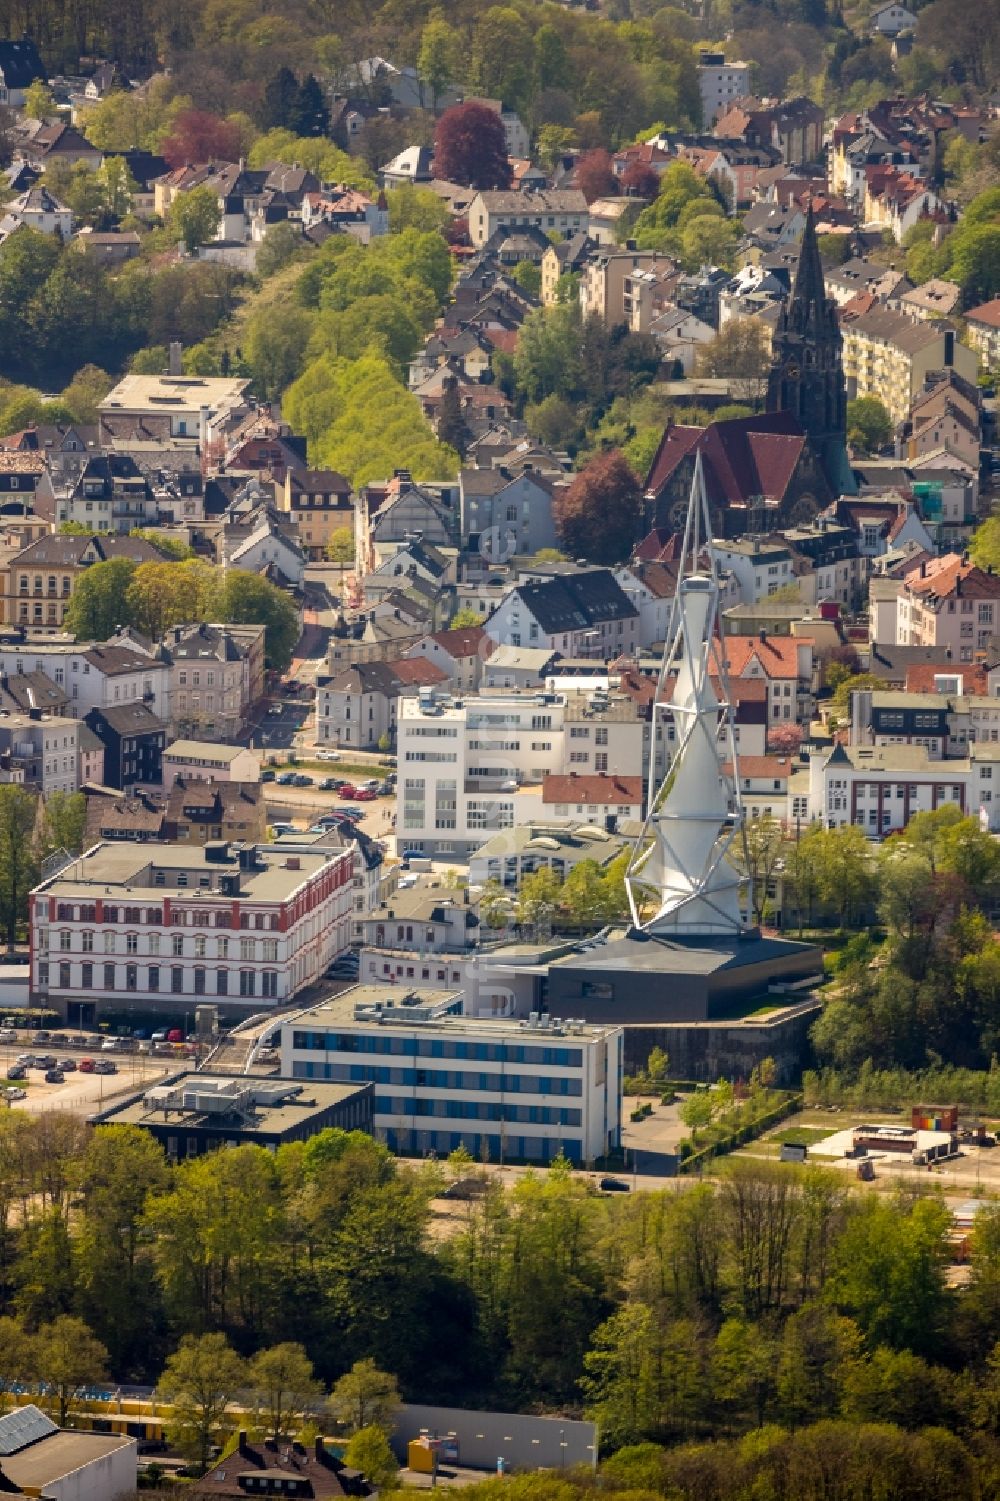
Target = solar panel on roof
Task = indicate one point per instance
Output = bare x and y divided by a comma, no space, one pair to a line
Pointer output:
25,1426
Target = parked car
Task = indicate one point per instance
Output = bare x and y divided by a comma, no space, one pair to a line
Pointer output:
110,1045
286,779
267,775
348,790
68,1065
45,1060
386,789
7,1035
353,815
302,779
175,1035
365,795
105,1066
275,709
17,1071
284,828
15,1093
87,1065
613,1186
326,755
25,1060
370,784
160,1036
55,1076
329,784
43,1036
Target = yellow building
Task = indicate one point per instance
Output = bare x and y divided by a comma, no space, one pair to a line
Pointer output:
319,500
38,581
890,356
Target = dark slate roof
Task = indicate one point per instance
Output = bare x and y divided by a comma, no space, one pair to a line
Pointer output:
570,603
127,719
20,64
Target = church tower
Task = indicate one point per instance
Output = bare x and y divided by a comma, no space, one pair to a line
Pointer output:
807,376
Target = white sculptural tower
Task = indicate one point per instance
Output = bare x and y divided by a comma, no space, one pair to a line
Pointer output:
683,859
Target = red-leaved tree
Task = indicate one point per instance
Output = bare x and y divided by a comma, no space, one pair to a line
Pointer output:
598,515
784,739
640,181
594,176
200,136
470,147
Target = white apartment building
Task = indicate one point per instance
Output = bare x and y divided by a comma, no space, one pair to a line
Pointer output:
759,566
880,788
209,763
949,603
164,927
583,614
92,676
465,766
720,83
40,751
513,1090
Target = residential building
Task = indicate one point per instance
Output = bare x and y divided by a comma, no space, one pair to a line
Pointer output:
199,759
897,200
720,84
192,1113
88,676
561,259
271,1469
164,926
319,502
517,667
37,209
760,566
935,298
40,579
505,513
606,732
197,412
764,783
535,1091
20,67
347,209
560,210
890,356
785,664
422,935
608,286
951,604
983,324
608,799
356,707
111,494
583,614
133,740
556,844
199,811
91,757
515,131
216,675
890,20
40,751
459,653
268,549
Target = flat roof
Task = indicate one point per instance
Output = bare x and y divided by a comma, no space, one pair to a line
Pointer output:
397,1000
59,1454
120,868
310,1098
205,750
166,393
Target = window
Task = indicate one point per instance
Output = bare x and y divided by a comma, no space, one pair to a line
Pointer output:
222,983
199,943
87,977
248,982
154,977
65,939
222,945
154,943
247,947
270,950
131,977
199,982
177,945
269,983
109,943
109,977
177,979
131,943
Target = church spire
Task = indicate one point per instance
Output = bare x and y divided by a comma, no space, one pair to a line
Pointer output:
807,377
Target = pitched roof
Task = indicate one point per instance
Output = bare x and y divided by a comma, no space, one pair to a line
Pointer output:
777,655
595,789
20,63
113,661
570,602
952,575
744,457
987,313
129,719
920,676
462,641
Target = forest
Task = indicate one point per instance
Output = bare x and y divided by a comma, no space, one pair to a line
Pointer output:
746,1319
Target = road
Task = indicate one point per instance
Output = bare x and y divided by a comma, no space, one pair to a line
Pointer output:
84,1094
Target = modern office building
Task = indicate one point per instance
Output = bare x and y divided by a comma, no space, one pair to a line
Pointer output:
528,1090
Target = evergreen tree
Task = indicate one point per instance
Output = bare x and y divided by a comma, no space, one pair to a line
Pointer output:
452,427
308,114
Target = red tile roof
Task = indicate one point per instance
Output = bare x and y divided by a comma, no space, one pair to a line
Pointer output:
418,670
950,575
464,641
592,789
777,655
660,546
986,312
920,677
744,457
764,768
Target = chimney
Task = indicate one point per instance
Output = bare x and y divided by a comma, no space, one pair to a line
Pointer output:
242,1442
174,362
762,633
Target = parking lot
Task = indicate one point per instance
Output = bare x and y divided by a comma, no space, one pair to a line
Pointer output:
82,1089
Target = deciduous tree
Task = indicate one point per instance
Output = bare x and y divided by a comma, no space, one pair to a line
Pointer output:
202,1377
470,147
284,1387
365,1398
599,513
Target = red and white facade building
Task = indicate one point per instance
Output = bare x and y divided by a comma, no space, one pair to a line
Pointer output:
147,927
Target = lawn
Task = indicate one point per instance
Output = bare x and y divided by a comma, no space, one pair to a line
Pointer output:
801,1136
